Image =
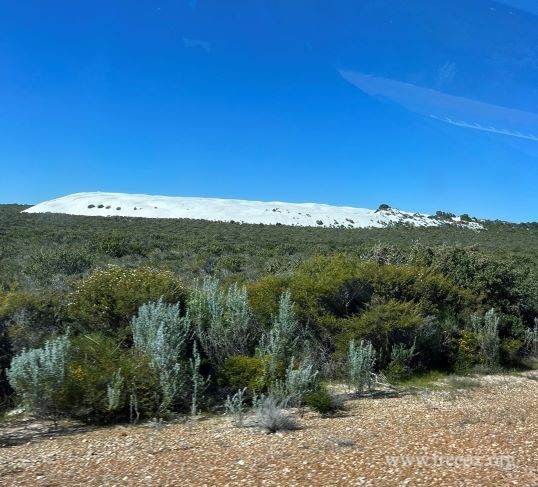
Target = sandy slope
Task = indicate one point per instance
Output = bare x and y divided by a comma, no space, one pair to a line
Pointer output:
270,213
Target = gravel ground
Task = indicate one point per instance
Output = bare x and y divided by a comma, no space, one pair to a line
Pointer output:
493,429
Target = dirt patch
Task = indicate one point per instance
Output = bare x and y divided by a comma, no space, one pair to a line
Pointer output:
481,436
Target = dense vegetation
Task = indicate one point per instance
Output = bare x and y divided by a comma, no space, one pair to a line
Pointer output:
120,318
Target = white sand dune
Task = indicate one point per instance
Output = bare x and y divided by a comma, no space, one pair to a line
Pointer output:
226,210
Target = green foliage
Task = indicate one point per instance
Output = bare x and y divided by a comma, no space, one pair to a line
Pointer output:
102,377
45,265
264,296
466,352
401,356
117,246
240,371
321,401
386,324
177,244
108,298
444,215
396,287
511,351
344,296
29,318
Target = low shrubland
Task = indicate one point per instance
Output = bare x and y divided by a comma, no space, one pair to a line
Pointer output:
116,330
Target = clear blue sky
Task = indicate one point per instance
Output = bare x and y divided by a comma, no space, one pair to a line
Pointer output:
423,104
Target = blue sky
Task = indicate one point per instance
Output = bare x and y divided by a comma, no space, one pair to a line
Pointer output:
423,104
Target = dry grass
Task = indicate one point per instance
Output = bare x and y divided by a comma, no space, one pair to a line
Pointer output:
500,418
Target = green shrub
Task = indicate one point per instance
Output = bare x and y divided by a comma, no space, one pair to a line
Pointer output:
240,371
384,325
511,351
47,264
109,297
29,319
321,401
93,370
466,349
399,368
117,246
328,290
264,295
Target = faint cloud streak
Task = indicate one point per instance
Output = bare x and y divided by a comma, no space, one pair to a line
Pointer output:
446,75
455,110
196,44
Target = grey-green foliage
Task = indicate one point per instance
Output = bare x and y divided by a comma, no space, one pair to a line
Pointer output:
531,339
199,383
299,381
280,343
222,320
272,417
162,333
236,407
486,329
401,356
38,375
360,365
114,390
